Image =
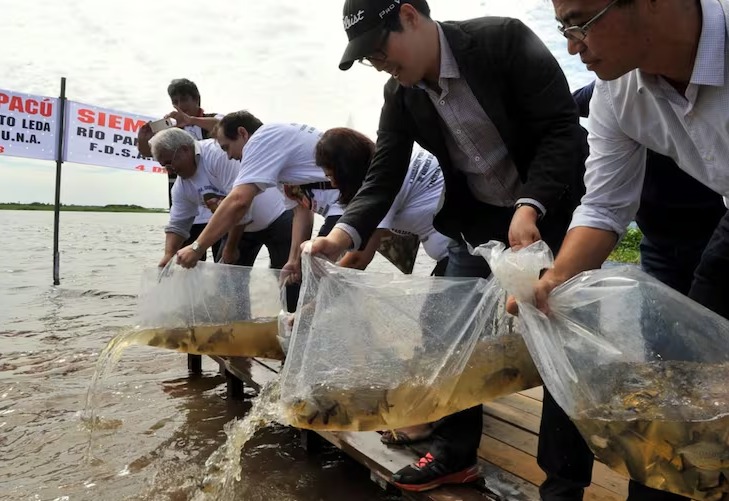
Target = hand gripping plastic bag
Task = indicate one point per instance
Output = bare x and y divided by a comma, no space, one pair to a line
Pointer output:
212,309
374,351
642,370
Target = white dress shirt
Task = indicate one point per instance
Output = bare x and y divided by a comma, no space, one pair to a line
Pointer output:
639,111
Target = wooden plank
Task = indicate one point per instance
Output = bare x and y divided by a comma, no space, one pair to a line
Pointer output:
525,466
523,403
535,393
498,410
527,442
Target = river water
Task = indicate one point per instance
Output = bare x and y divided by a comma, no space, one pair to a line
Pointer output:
156,426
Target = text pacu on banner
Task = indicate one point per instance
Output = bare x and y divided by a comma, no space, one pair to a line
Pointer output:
28,125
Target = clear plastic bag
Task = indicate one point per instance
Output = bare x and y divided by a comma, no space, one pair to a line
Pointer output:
641,369
212,309
374,351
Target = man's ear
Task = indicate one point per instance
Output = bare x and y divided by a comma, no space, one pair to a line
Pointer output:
243,132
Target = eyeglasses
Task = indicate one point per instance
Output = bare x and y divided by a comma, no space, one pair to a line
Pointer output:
379,55
171,161
579,33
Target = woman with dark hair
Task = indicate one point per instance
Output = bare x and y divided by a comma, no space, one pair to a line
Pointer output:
345,154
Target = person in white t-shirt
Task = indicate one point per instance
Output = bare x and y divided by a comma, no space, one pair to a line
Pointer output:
271,155
205,176
345,155
188,115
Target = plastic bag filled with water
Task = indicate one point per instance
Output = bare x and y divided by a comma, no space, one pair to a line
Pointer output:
642,370
375,351
212,309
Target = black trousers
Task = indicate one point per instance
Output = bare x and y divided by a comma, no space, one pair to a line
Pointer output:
711,280
292,291
566,459
194,233
562,453
276,237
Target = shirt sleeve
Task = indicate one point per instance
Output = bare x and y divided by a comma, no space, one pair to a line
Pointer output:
264,156
614,170
182,213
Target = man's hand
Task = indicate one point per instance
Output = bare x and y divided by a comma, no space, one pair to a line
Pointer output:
165,259
188,258
332,246
231,254
541,293
291,273
523,230
180,117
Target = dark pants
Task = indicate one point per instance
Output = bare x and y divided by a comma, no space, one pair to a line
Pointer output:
328,225
276,237
711,280
194,233
672,262
292,291
562,454
456,437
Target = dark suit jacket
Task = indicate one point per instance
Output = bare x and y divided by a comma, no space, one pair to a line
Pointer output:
524,92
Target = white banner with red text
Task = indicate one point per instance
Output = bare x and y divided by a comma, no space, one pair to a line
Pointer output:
104,137
28,125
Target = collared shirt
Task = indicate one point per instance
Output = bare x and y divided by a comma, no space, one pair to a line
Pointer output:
639,111
473,141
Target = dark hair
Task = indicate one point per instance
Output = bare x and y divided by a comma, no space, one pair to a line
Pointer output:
183,87
229,124
348,154
392,23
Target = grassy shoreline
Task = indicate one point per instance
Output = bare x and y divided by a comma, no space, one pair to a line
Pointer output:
36,206
628,250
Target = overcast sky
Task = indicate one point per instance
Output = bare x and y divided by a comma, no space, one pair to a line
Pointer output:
276,58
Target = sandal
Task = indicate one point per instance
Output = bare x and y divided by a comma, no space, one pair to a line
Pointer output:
399,437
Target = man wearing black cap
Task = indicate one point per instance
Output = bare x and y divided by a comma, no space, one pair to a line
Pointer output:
487,98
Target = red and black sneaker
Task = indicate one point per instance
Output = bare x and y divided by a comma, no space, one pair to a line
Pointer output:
429,473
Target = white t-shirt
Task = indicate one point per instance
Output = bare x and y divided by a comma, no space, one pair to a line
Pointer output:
211,183
203,213
417,202
284,154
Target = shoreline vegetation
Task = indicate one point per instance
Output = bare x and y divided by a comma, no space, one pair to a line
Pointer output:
81,208
628,249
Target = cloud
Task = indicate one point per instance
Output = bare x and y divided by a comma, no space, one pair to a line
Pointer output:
277,59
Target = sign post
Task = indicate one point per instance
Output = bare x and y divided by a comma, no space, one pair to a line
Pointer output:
59,163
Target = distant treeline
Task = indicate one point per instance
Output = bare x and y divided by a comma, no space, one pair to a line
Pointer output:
79,208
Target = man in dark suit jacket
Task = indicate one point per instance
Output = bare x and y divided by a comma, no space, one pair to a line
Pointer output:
490,101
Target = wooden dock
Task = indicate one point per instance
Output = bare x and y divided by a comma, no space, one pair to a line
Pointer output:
507,452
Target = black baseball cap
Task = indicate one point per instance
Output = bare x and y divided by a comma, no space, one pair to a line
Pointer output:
364,22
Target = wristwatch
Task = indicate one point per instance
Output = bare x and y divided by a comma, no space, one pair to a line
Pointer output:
196,247
522,204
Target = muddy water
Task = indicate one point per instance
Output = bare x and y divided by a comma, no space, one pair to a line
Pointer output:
155,427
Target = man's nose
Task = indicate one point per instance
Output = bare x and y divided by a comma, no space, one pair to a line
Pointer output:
575,46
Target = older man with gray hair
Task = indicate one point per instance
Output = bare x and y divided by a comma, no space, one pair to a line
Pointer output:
205,176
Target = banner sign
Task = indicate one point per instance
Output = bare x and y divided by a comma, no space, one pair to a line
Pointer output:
104,137
28,125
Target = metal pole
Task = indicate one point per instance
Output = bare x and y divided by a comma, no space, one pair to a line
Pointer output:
59,162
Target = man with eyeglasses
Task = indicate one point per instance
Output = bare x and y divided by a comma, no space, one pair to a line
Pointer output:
488,99
205,176
662,69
